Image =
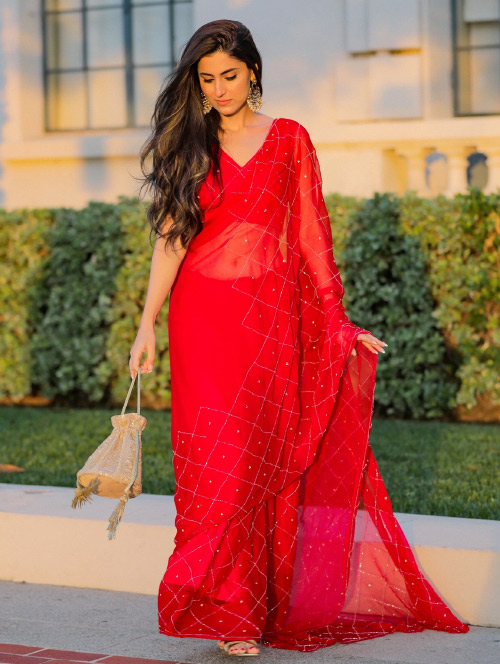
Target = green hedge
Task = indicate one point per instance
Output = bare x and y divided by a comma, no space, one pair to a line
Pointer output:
71,303
422,274
128,302
72,289
24,239
389,293
460,238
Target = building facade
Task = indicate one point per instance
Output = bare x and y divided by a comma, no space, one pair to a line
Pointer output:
396,94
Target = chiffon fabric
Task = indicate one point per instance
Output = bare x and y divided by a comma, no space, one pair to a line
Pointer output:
284,529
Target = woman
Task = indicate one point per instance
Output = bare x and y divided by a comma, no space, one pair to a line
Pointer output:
284,530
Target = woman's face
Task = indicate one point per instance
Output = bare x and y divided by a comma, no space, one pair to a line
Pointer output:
225,81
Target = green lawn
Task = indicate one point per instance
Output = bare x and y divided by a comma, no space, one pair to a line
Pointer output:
429,467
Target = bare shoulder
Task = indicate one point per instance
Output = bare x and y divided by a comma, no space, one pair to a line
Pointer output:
263,120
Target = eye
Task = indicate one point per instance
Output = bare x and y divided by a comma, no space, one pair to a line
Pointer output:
230,78
207,80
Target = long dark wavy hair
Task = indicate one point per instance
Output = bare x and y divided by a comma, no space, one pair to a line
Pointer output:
184,142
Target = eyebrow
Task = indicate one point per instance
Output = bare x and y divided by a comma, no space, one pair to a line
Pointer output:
204,73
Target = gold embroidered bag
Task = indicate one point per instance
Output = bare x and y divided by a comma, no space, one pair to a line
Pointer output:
114,469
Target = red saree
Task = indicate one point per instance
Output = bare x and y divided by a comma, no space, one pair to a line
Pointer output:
285,532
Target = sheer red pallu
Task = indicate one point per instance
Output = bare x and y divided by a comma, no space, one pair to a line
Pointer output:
285,532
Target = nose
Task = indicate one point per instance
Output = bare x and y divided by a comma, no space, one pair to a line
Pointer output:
220,89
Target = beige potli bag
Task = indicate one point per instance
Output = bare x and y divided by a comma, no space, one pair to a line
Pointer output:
114,470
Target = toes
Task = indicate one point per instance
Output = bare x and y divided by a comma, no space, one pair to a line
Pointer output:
245,647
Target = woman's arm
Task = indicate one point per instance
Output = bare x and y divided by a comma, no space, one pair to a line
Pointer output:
164,266
312,234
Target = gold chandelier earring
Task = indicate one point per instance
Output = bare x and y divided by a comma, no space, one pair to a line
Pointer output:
207,106
254,99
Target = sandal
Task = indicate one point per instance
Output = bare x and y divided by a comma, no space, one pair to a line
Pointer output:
240,648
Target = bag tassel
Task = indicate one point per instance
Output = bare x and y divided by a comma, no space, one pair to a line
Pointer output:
84,494
116,516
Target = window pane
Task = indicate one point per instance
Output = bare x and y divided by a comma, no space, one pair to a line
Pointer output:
108,105
476,24
64,41
66,101
63,4
147,84
183,26
105,38
485,10
484,34
150,35
478,56
485,81
97,96
479,81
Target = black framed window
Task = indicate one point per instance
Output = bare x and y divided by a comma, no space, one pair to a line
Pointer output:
105,60
476,61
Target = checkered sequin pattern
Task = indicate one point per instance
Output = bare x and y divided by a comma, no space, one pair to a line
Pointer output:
284,530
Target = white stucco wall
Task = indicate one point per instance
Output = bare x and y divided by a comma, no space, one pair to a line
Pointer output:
372,116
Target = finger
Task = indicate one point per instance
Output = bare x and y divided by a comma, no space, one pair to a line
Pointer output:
379,341
133,368
134,362
371,348
147,365
377,349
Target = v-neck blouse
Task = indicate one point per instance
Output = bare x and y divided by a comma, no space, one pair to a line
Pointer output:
260,191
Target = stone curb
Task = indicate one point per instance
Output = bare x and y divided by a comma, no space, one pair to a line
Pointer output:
461,557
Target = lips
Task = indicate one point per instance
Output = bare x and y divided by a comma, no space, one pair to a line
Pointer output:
223,102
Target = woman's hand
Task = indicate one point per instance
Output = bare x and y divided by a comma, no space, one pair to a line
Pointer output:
373,344
145,341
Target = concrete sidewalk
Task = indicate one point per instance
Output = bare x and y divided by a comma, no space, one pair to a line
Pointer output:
125,624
